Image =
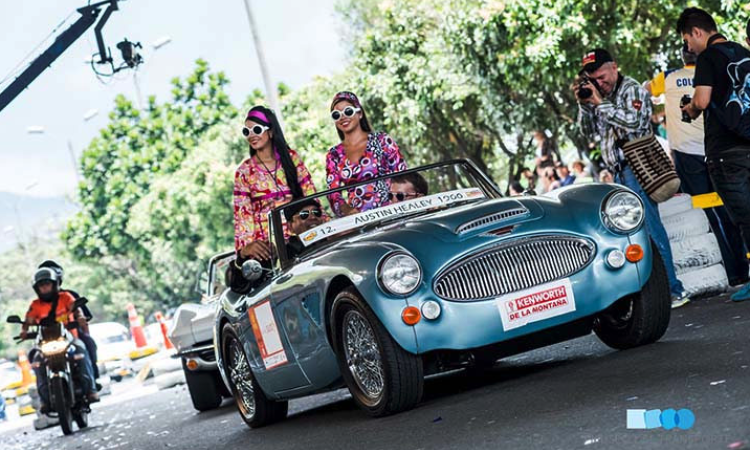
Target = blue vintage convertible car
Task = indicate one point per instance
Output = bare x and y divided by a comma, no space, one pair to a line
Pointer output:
449,275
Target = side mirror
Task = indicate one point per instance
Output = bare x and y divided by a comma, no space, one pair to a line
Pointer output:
14,319
252,270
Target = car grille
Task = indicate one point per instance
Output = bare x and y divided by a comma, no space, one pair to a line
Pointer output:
513,266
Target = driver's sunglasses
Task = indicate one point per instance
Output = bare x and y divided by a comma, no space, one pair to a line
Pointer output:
255,130
349,111
304,215
401,196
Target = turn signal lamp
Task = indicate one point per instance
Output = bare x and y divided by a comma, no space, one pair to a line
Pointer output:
411,315
634,253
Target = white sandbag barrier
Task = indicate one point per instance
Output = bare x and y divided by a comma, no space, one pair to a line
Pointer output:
695,251
705,281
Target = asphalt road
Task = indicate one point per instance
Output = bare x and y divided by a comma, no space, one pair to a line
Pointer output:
572,395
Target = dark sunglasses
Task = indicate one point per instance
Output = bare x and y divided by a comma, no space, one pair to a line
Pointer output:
349,111
400,196
255,130
305,214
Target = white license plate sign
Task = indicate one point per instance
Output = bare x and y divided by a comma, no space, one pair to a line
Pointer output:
534,304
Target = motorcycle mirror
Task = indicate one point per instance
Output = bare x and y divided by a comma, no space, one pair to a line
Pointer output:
80,301
252,270
14,319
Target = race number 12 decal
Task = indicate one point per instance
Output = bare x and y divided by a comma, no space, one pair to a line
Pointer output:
267,335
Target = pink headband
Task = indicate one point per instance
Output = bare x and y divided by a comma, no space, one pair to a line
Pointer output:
346,95
257,115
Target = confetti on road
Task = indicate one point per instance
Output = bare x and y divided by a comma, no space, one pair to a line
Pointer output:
716,383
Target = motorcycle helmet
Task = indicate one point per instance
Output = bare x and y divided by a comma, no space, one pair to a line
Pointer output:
43,275
56,267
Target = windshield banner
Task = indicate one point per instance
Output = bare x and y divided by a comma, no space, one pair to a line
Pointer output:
386,212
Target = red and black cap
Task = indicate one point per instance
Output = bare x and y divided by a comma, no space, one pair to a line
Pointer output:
594,59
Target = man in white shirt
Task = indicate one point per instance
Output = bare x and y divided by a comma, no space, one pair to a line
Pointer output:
686,140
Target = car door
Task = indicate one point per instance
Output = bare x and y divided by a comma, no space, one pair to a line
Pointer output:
298,297
272,359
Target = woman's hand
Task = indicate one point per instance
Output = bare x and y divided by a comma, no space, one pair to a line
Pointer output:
347,210
259,250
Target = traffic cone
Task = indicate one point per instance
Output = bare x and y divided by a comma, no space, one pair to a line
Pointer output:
167,343
26,375
136,330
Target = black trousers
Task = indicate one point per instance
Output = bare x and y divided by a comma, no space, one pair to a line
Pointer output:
730,174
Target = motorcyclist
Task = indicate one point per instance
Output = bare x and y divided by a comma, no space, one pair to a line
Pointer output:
41,309
83,331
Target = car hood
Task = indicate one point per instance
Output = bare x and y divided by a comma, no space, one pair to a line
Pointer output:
435,238
438,238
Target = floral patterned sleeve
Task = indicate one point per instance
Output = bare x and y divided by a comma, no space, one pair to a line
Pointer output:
392,158
334,180
303,175
244,225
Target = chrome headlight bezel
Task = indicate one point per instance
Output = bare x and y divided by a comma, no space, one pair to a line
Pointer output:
386,277
617,222
54,347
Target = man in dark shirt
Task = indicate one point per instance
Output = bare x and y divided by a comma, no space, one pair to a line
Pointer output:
302,217
727,153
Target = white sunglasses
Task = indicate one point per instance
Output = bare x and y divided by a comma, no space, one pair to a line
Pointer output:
255,130
349,111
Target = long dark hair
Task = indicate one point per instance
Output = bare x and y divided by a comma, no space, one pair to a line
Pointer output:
354,100
279,144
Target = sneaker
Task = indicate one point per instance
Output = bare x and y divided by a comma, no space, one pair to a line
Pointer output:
742,295
93,397
680,300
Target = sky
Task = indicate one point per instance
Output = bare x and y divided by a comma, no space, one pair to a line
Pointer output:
299,36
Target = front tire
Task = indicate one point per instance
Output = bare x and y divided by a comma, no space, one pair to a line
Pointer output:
382,377
641,318
254,407
62,404
82,419
203,387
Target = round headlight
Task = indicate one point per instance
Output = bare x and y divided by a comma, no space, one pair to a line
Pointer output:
623,212
400,274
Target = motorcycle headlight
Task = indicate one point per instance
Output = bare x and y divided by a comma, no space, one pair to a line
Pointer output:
623,212
400,274
54,347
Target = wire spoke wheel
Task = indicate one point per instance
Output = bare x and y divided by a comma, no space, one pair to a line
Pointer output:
362,353
239,373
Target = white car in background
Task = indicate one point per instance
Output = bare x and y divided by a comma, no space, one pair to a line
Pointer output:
191,332
113,349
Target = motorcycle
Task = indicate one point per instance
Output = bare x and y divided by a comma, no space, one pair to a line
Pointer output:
66,396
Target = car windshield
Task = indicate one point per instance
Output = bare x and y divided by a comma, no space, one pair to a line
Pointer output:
333,215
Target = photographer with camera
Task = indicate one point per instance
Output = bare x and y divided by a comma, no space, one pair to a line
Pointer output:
685,138
613,110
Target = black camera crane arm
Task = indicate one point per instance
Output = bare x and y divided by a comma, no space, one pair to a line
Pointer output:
89,15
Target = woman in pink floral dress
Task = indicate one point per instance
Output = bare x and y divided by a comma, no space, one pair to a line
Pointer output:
362,154
273,175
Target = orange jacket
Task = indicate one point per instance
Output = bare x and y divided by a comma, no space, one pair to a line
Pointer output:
40,310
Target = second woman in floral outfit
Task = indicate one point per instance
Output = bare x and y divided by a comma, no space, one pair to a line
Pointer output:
362,154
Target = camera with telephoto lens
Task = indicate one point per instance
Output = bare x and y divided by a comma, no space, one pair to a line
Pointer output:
585,92
684,101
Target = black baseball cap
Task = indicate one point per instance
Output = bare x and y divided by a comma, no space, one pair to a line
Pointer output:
290,211
594,59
